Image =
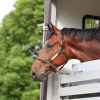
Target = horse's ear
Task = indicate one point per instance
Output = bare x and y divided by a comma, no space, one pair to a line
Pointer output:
50,31
53,30
50,27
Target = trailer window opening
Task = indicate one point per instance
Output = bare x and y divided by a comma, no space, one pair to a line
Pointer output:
90,22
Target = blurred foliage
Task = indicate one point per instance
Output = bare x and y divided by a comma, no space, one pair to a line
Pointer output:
19,31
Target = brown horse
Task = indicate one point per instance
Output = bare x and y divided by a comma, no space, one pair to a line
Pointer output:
63,45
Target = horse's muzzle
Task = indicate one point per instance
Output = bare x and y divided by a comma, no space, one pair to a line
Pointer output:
41,77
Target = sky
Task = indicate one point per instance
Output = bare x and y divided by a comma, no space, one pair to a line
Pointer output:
5,7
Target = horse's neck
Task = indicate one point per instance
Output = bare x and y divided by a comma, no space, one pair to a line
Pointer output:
83,50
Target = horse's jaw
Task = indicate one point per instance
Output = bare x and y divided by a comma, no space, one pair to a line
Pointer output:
41,77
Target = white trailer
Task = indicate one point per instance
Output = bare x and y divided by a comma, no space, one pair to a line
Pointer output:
83,83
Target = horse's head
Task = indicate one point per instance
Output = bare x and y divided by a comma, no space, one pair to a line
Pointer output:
50,56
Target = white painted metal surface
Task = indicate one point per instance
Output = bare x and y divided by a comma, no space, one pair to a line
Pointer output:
93,98
80,89
70,12
80,76
68,67
82,83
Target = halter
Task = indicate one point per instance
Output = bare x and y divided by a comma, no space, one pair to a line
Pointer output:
49,61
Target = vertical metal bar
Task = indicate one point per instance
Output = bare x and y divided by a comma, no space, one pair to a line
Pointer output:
83,22
99,23
43,90
47,19
47,11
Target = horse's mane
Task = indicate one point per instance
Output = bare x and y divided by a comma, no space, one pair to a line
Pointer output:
82,34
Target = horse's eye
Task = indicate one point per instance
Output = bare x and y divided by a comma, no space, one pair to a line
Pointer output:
49,45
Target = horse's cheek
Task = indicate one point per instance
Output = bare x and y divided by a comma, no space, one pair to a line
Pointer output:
59,60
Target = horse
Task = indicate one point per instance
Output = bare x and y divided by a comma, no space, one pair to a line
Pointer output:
63,45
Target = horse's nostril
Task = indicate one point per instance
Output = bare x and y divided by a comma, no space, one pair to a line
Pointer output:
33,74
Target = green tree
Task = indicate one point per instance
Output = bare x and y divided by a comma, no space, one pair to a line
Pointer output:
18,31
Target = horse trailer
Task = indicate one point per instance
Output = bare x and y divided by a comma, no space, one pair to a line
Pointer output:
81,81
